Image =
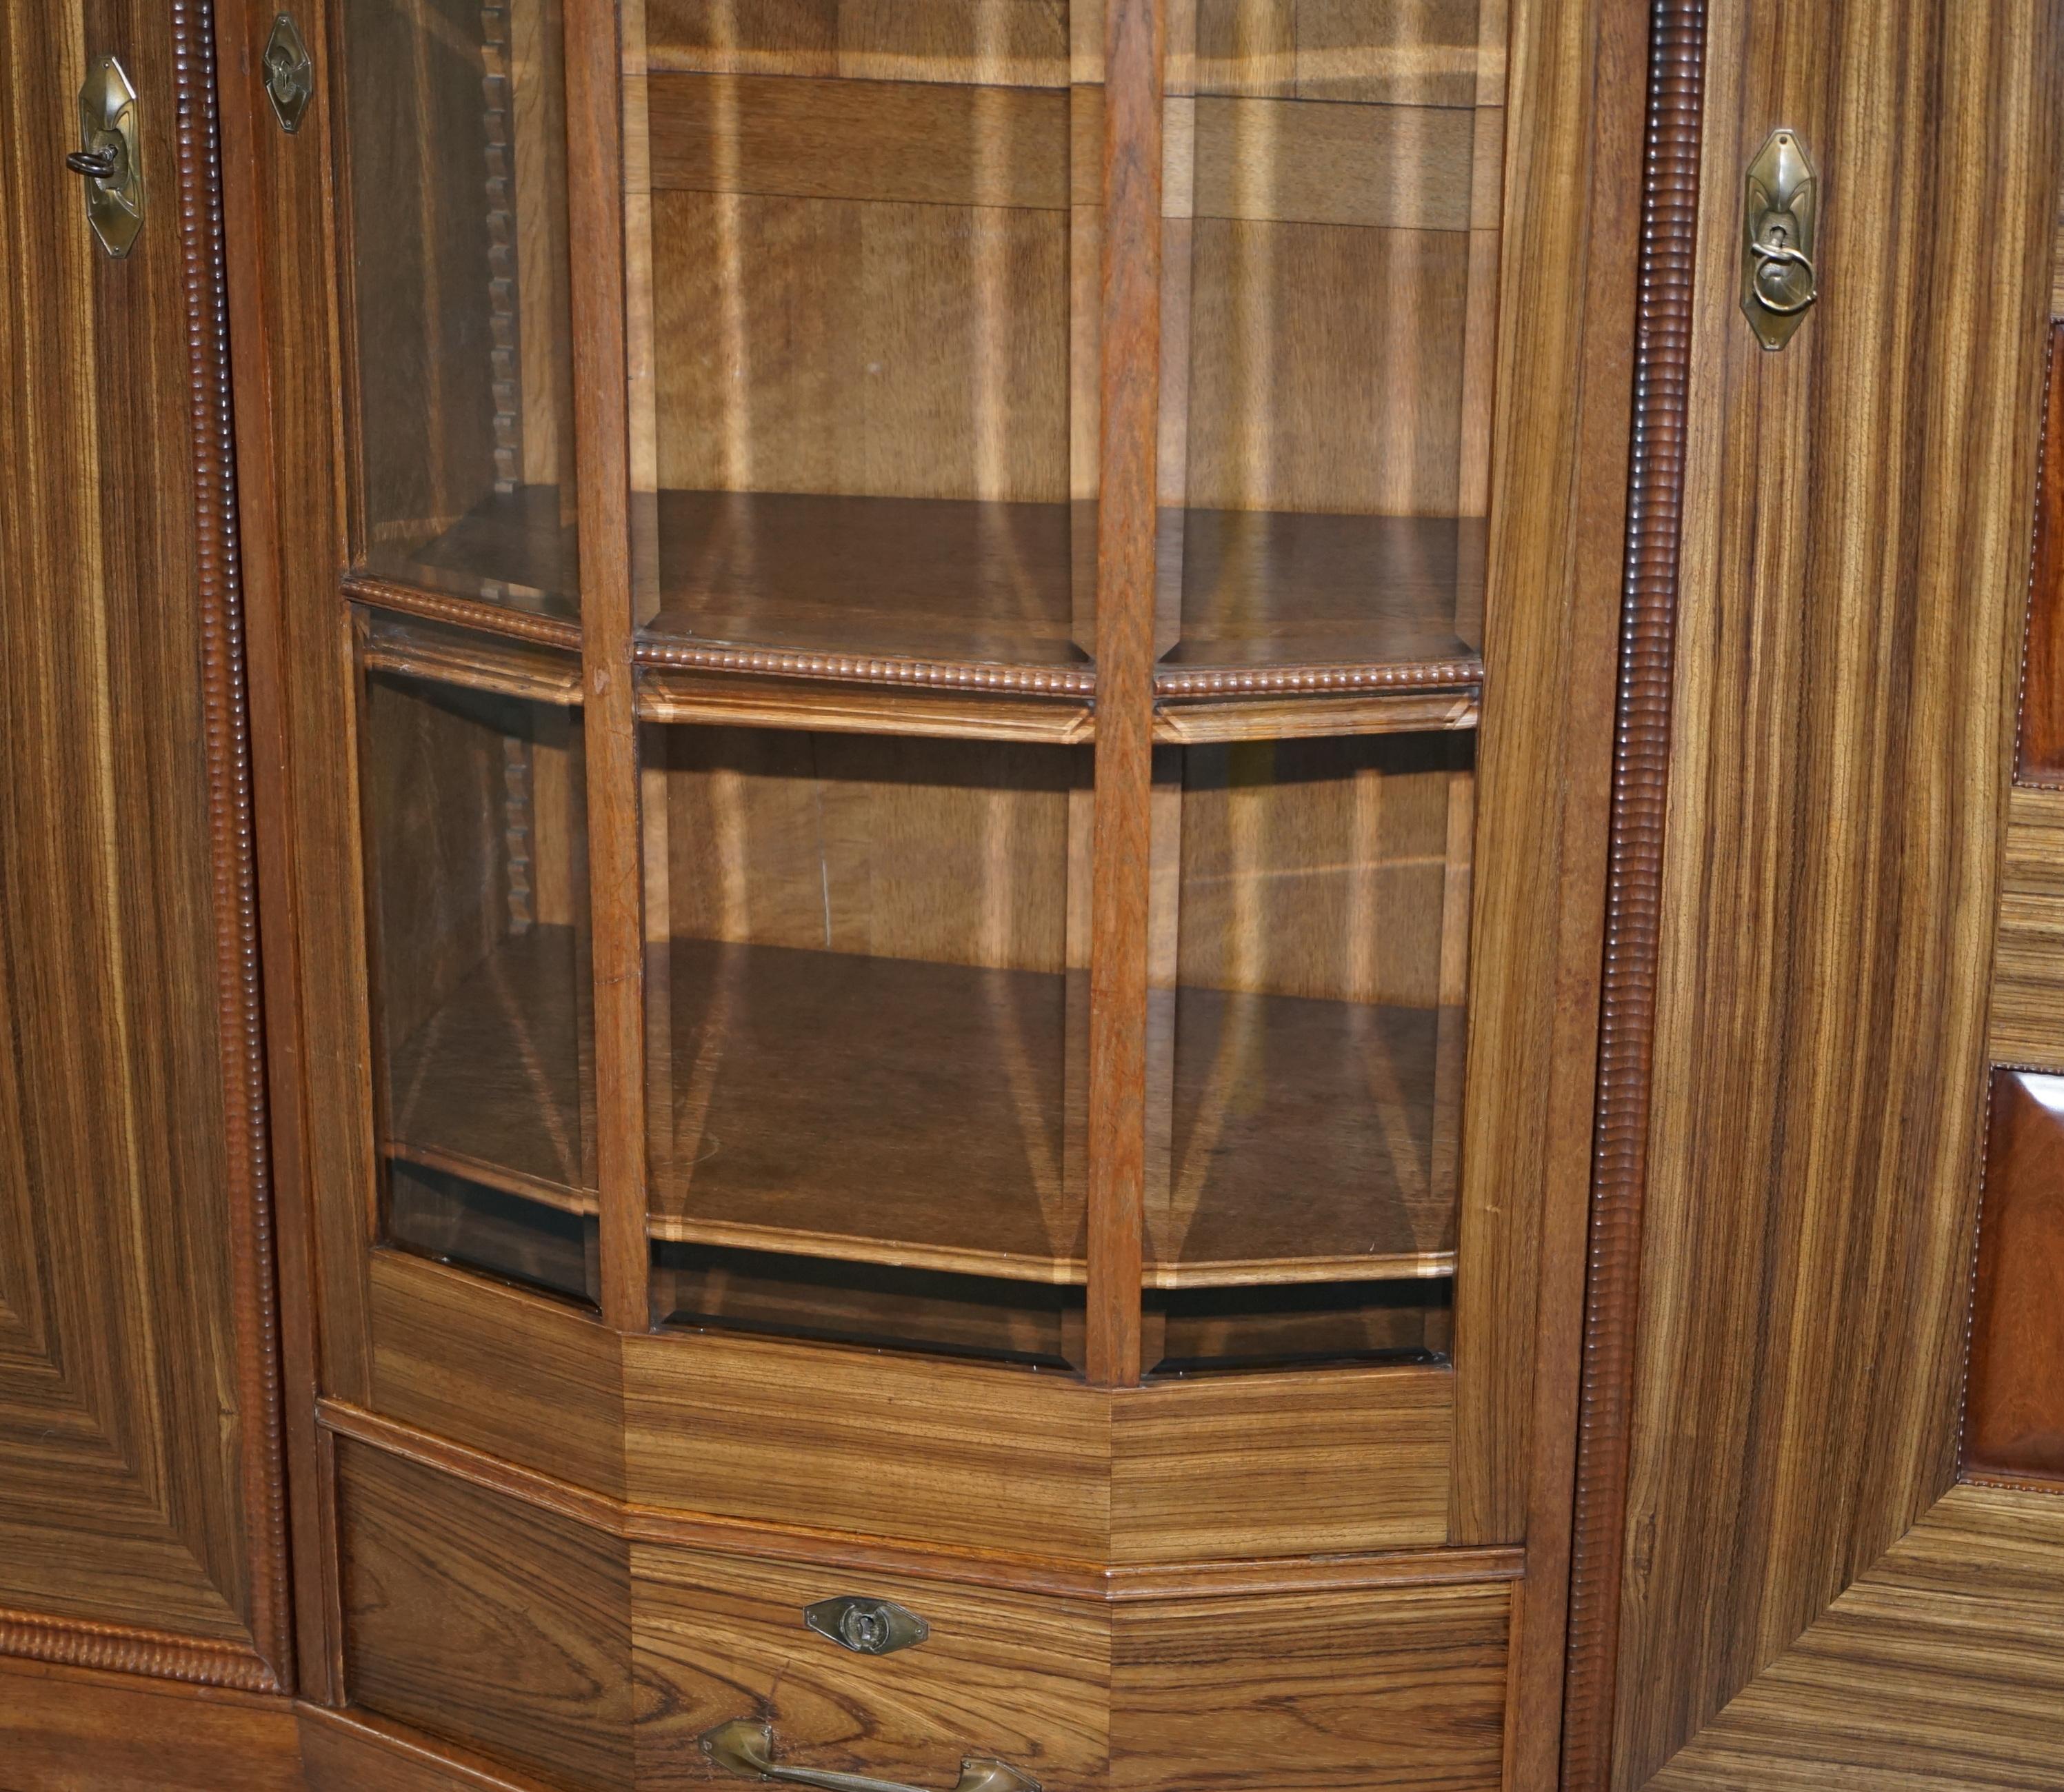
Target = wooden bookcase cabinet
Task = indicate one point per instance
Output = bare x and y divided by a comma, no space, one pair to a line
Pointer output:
862,413
910,646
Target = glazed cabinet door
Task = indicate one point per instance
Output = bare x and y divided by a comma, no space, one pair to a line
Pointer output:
141,1494
881,615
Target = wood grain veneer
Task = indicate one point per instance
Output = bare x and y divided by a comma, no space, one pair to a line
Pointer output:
141,1735
2026,1026
1370,1690
1435,53
290,523
403,642
358,1751
971,1456
1346,1459
141,1523
1801,1230
489,1621
1129,323
1940,1669
924,1449
1004,1673
1009,1569
594,189
1565,358
769,700
1641,775
1322,1664
473,1361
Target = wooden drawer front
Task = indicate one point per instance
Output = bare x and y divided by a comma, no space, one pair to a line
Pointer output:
597,1661
1399,1687
1018,1676
1373,1688
470,1615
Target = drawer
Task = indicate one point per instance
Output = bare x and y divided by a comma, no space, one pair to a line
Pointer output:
1022,1677
593,1653
1265,1692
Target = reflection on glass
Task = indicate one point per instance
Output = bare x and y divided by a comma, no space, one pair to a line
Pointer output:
877,1306
456,147
1306,1022
1330,256
476,844
1203,1330
456,1222
863,295
866,1014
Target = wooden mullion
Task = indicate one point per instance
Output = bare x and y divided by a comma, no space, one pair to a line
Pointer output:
594,169
1130,329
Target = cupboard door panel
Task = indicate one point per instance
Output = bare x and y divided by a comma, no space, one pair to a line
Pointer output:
1779,1303
139,1456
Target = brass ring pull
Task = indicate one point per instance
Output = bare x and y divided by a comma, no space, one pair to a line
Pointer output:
1772,260
745,1747
97,164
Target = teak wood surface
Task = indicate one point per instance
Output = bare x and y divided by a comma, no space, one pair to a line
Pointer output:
1794,1597
141,1473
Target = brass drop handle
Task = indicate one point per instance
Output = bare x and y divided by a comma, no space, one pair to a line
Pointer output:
1780,221
745,1746
1778,287
103,164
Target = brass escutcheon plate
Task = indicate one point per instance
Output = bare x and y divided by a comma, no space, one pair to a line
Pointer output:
290,72
110,140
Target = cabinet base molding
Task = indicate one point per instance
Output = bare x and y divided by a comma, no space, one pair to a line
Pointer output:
359,1751
68,1727
130,1649
1056,1577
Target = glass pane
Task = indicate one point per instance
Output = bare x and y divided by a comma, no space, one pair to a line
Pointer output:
864,263
866,1002
455,144
1200,1330
1306,1020
1331,250
476,818
1038,1324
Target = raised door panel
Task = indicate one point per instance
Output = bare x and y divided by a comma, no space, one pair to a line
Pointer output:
138,1516
1780,1301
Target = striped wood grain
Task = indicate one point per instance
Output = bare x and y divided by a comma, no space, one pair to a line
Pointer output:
1941,1670
1851,580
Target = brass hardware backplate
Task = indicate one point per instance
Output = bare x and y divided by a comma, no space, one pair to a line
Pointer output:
111,156
866,1626
1781,223
290,72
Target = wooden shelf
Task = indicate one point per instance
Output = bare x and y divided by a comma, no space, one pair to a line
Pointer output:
918,1115
514,551
1289,601
497,1086
901,1112
1310,1141
956,586
877,1109
946,594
